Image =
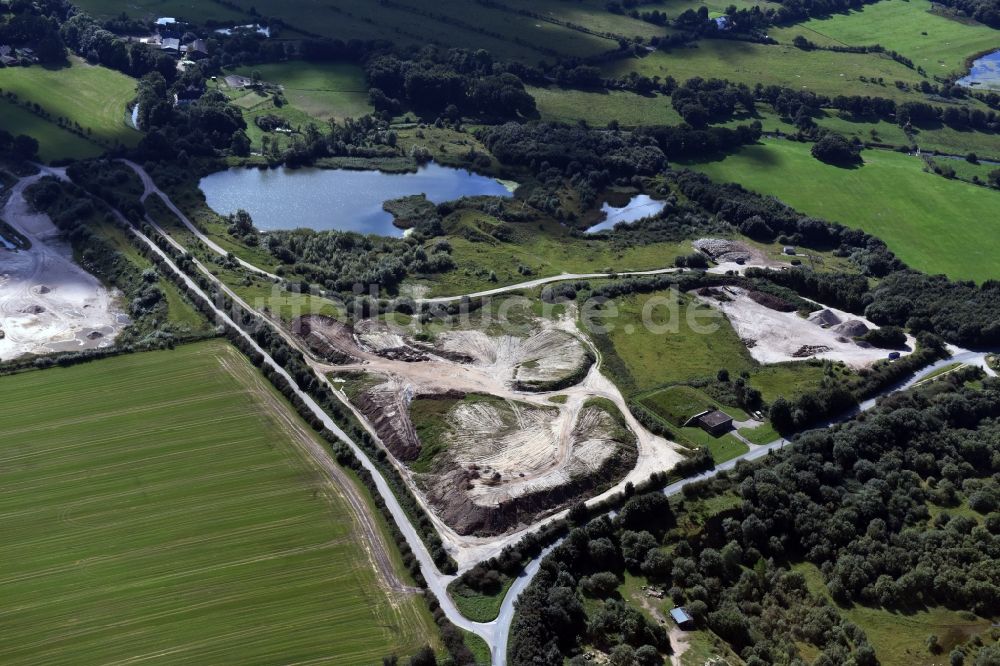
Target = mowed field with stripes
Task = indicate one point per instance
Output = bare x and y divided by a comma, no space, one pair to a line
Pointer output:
155,508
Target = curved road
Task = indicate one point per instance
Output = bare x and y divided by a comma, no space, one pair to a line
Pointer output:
151,189
495,633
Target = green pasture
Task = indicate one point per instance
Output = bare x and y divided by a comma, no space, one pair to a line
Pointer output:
900,639
93,97
171,515
197,11
683,340
939,44
546,248
54,142
822,72
600,108
934,224
322,90
502,31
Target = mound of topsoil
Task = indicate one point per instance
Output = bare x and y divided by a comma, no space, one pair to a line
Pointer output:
771,301
449,495
721,250
327,338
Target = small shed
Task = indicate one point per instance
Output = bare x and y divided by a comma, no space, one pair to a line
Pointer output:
715,422
682,618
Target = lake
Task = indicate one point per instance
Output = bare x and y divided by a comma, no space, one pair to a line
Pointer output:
341,199
640,206
985,73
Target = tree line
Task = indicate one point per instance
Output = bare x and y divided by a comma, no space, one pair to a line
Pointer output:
852,501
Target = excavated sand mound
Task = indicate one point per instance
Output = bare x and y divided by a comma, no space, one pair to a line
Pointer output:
824,318
851,328
513,464
536,361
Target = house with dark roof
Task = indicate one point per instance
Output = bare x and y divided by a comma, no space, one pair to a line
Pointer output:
713,421
196,50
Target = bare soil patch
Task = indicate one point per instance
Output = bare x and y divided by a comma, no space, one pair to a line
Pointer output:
48,303
773,336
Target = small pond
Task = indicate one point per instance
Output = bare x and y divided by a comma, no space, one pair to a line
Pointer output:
341,199
985,72
640,206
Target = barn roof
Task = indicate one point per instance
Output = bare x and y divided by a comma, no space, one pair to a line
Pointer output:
715,418
680,616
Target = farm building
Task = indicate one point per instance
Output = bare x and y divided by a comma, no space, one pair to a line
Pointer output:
171,44
196,50
714,422
682,618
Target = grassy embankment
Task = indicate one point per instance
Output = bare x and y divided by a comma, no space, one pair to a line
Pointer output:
172,515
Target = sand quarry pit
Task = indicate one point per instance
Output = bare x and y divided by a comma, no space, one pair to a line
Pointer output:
546,358
469,419
773,337
47,302
504,463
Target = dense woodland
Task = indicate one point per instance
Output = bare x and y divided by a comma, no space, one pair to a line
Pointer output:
853,501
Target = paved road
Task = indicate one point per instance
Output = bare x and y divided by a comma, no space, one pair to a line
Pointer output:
530,284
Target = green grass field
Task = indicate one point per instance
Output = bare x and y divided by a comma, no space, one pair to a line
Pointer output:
599,108
937,43
899,639
479,607
320,90
934,224
958,142
823,72
184,10
650,358
179,308
502,31
168,516
54,142
94,97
